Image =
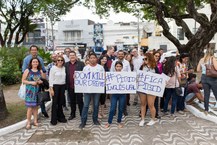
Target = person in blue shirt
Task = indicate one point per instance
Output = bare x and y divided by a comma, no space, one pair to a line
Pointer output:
34,54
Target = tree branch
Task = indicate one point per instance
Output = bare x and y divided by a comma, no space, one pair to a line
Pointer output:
200,18
160,17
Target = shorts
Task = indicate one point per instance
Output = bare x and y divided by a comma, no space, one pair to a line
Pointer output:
189,97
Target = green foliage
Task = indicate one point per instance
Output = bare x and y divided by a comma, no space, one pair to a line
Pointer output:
17,15
11,63
45,56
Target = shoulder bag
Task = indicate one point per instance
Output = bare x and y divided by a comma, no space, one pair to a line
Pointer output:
210,70
43,96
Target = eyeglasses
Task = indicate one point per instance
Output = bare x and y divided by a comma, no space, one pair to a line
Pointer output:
59,60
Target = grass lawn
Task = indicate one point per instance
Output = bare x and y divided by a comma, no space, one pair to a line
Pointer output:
16,113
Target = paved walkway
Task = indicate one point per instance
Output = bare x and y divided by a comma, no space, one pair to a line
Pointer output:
182,130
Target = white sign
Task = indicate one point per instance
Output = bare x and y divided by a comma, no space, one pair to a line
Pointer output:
120,82
151,83
89,82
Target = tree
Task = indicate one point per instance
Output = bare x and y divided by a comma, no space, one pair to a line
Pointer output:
16,15
177,10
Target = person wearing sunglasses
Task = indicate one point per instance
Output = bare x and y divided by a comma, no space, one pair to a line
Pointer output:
57,81
149,65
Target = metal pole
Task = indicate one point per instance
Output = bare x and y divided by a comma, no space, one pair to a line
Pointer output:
52,34
138,32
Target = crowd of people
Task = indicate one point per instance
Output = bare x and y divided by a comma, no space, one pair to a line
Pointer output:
60,74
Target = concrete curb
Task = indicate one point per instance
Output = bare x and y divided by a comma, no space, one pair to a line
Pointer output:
21,124
200,114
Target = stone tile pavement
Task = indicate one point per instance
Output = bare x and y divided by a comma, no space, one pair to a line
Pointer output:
182,130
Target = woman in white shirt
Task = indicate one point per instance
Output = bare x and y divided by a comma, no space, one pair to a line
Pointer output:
57,81
171,70
149,65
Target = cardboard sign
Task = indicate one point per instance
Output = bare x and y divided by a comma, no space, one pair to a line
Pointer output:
120,82
89,82
151,83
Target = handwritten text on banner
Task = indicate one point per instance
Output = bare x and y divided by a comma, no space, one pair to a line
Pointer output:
151,83
89,82
120,82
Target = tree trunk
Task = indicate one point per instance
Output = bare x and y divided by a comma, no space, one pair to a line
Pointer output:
3,108
194,56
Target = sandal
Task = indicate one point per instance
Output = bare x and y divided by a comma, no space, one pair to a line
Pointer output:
107,125
120,125
28,126
36,124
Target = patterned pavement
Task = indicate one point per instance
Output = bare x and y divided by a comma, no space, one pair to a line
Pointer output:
182,130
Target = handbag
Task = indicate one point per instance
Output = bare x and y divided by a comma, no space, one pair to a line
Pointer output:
43,96
178,90
22,91
210,70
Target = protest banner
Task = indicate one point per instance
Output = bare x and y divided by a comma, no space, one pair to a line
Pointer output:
151,83
89,82
120,82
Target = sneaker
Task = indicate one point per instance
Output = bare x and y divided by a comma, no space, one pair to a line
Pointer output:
96,123
181,112
135,103
206,112
141,123
172,116
165,113
45,114
99,116
82,125
152,122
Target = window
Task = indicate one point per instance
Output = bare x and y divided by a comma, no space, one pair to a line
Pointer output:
149,34
72,35
180,34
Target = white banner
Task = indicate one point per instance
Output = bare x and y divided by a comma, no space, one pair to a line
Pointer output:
151,83
120,82
89,82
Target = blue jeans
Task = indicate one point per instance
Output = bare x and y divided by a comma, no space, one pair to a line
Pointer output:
170,92
87,98
121,99
208,83
42,105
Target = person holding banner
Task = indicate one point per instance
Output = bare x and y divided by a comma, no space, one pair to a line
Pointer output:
93,66
75,98
126,68
120,98
171,70
149,65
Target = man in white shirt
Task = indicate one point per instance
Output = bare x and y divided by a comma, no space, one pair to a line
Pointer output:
137,59
137,62
93,66
126,64
66,54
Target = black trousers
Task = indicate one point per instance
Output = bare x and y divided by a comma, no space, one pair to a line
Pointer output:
58,100
75,98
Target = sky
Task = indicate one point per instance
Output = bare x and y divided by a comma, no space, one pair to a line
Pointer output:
81,12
